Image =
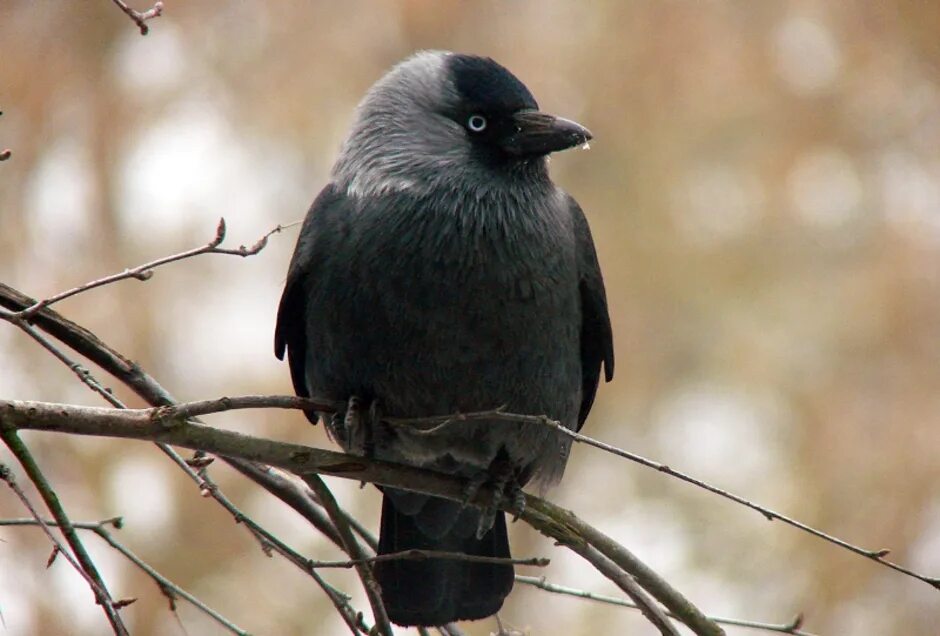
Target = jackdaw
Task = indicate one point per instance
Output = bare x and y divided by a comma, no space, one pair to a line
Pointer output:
441,271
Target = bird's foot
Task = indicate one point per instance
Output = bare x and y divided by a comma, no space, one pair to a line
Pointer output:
472,487
505,488
518,500
353,415
356,429
488,515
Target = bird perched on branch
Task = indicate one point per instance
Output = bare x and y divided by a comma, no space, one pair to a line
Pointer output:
441,271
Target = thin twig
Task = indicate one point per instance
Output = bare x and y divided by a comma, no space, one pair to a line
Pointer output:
270,541
875,555
578,532
552,521
167,588
205,485
170,415
145,271
620,577
82,373
51,499
435,423
352,618
140,18
353,549
294,494
89,345
189,410
340,601
6,475
424,555
793,627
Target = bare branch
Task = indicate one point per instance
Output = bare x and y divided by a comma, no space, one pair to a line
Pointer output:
145,271
625,582
140,18
793,627
7,476
189,410
353,549
83,374
552,521
433,424
874,555
293,494
145,386
423,555
89,345
51,499
167,588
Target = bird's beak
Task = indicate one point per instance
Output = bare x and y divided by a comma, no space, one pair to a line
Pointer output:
540,133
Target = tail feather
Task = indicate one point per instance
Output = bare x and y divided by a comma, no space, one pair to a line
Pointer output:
438,591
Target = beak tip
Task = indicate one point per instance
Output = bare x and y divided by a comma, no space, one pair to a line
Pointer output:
579,135
539,133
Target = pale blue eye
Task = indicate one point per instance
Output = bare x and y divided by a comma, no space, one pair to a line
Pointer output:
476,123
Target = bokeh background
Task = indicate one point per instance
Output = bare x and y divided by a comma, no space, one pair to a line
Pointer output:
764,189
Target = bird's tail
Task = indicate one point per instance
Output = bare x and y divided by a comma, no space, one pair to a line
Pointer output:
438,591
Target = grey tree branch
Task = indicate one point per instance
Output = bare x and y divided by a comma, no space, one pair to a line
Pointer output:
145,271
169,589
793,627
90,346
353,549
424,555
6,475
51,499
552,521
574,533
653,613
270,542
292,494
140,17
86,343
875,555
435,423
83,374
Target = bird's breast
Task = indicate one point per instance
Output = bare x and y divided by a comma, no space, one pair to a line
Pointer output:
436,311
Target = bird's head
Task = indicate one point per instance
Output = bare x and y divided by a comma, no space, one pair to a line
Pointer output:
446,118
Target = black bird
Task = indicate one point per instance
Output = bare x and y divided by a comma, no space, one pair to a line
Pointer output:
442,271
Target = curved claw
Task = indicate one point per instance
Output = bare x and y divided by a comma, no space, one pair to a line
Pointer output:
518,501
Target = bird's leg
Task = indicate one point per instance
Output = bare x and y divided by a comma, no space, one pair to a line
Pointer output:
505,484
352,420
473,486
514,493
488,514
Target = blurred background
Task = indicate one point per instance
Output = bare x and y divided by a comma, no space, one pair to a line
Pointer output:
764,190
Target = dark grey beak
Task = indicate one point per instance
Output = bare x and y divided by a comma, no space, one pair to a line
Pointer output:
540,133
